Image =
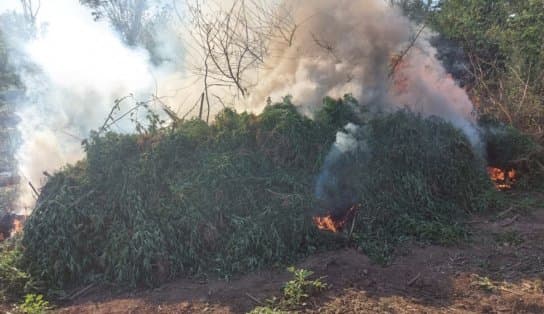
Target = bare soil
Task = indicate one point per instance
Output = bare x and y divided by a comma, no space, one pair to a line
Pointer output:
500,270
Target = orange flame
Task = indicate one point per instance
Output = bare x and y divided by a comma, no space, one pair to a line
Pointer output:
11,225
502,179
328,223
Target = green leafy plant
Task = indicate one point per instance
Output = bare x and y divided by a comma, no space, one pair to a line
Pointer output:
294,294
14,280
300,288
483,283
34,304
502,40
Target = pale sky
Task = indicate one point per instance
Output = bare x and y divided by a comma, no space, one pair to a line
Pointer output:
6,5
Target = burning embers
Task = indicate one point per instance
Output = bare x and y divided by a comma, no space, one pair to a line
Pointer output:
10,225
335,223
503,179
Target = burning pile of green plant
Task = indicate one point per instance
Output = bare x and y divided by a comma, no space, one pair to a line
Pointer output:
411,177
238,195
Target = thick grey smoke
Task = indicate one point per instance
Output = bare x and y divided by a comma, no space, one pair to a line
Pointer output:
333,188
370,50
347,46
340,47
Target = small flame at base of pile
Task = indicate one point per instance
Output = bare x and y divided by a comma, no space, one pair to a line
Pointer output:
502,179
329,223
10,225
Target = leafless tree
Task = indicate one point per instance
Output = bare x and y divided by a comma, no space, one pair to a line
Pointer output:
31,8
232,41
128,17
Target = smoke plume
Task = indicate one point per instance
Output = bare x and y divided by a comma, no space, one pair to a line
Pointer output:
334,188
370,50
79,66
367,49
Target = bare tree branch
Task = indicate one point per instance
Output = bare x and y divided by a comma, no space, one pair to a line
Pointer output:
31,8
233,41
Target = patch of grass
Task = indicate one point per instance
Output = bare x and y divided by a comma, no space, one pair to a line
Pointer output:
34,304
526,202
504,204
436,232
484,283
379,247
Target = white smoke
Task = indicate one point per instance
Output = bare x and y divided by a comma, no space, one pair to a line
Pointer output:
346,142
333,187
81,66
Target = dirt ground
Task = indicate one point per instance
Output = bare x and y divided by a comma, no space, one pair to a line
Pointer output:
501,270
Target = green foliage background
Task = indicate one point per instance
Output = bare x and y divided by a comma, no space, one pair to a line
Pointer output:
504,44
